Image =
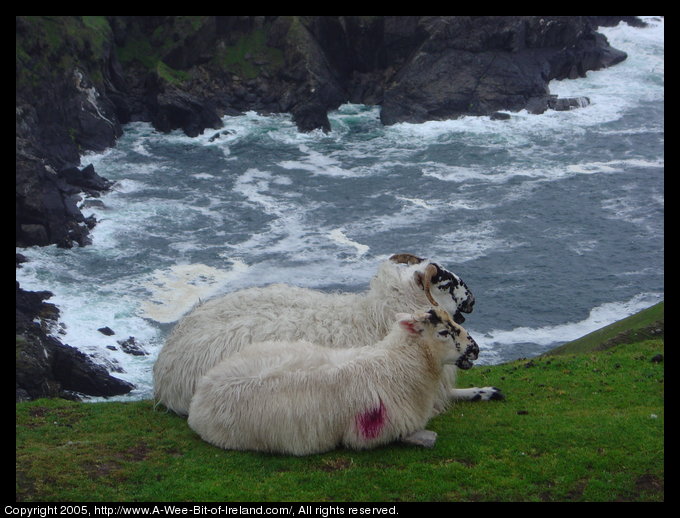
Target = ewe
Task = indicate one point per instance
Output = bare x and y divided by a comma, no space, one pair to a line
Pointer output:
220,327
301,398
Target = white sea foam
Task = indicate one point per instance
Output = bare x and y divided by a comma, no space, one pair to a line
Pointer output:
338,235
417,202
612,166
87,304
316,163
253,185
472,242
175,290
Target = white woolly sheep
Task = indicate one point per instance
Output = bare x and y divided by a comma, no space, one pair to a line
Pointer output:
300,398
225,325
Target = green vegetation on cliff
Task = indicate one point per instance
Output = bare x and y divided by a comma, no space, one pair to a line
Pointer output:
574,427
52,46
249,56
173,49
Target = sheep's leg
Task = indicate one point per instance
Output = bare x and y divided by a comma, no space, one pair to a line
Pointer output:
424,438
476,394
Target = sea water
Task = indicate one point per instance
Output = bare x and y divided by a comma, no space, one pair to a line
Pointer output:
555,221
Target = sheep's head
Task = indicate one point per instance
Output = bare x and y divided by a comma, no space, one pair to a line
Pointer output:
437,327
442,287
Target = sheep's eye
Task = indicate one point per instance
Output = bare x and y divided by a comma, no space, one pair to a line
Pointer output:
444,333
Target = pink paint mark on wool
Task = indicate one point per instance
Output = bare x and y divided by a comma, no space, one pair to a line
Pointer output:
371,423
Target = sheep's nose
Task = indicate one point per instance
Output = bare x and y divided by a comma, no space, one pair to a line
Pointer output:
472,350
468,305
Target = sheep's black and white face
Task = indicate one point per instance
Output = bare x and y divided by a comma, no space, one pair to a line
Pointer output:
437,325
451,293
462,350
442,287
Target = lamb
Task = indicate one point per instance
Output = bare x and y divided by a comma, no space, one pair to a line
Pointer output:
301,398
225,325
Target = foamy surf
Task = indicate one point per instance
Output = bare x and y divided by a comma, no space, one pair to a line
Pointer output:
338,235
175,290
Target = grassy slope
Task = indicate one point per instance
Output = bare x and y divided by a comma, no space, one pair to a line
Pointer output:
574,427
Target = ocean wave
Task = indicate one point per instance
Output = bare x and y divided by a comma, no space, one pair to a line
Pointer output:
338,235
472,242
317,163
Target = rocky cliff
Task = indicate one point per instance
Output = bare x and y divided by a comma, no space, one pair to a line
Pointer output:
80,78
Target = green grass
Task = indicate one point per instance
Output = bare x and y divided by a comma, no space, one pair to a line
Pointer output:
574,427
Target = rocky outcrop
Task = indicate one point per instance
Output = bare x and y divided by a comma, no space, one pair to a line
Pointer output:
176,109
45,367
47,203
479,65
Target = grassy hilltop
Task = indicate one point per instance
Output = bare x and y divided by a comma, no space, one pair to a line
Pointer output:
585,423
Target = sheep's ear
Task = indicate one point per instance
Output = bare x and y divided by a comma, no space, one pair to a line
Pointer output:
418,277
410,324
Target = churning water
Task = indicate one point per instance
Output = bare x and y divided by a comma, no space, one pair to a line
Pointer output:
555,221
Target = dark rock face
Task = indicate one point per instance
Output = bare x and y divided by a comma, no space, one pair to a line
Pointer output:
46,203
86,179
479,65
60,112
45,367
311,116
130,346
176,109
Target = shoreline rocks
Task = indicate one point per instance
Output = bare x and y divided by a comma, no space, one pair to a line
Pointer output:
45,367
47,203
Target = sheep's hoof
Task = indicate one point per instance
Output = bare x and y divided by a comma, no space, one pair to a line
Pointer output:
477,394
424,438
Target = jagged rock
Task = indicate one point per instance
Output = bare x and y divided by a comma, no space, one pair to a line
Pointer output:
179,110
76,372
311,116
87,179
130,346
499,116
219,135
538,105
478,65
46,206
106,331
45,367
568,103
